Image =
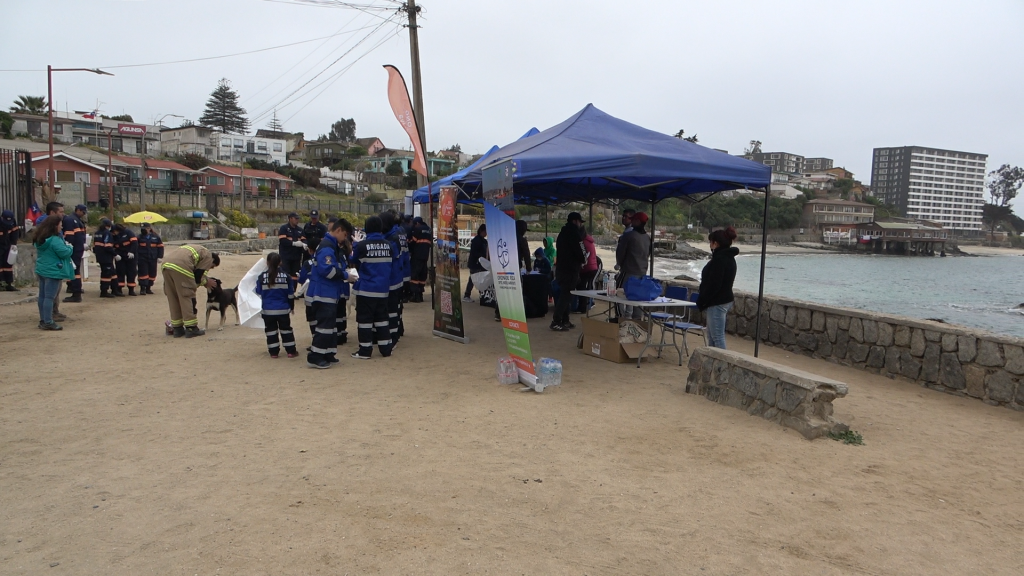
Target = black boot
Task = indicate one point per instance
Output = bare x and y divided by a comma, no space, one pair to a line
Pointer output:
75,297
11,288
131,291
179,331
105,294
193,331
149,289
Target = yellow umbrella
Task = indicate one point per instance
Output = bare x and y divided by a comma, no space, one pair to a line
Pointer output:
141,217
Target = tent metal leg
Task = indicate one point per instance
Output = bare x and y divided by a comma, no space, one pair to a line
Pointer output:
760,285
651,266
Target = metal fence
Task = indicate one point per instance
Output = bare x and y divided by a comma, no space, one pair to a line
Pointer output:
218,202
15,182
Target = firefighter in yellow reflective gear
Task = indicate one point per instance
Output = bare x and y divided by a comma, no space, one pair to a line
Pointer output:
184,270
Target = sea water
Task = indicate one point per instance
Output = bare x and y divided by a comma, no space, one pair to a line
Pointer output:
981,292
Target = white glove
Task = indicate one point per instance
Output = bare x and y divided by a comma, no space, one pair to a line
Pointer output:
301,290
131,256
117,257
298,243
353,276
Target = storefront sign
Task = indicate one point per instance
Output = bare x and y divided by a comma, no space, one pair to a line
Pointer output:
138,130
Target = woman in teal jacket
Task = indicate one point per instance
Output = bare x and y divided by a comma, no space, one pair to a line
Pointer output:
53,264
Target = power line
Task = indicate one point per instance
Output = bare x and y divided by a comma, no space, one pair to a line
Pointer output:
287,70
261,105
232,55
288,101
281,104
343,71
367,8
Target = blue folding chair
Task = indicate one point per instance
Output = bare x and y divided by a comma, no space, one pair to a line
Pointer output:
676,293
683,324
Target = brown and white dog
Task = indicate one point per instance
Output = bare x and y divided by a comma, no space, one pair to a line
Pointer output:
219,298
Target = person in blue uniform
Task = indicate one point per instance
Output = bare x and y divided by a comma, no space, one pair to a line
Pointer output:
151,250
275,289
400,274
421,241
344,253
314,230
126,246
290,245
373,259
106,255
9,234
305,269
325,281
74,234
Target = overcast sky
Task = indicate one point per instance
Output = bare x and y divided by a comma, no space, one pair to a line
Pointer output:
815,78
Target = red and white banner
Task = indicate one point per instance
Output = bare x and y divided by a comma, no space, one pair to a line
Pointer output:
398,95
131,129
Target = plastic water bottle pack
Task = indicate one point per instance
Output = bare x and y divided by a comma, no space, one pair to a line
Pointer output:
549,372
507,371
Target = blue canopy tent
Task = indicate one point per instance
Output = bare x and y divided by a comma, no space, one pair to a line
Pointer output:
593,156
430,192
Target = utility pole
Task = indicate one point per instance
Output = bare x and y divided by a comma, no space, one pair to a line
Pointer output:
417,86
142,175
241,179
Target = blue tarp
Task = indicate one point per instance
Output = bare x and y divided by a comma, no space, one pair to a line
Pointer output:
595,156
420,195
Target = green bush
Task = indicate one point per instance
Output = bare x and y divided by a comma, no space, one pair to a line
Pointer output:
239,220
1017,241
235,237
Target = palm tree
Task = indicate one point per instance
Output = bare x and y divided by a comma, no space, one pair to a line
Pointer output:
34,105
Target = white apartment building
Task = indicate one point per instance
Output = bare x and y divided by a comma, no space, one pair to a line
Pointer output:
945,186
214,145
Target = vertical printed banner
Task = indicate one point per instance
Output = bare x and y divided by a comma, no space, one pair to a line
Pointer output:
504,256
448,304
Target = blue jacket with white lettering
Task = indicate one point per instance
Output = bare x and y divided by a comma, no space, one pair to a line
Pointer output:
402,271
328,275
278,299
373,257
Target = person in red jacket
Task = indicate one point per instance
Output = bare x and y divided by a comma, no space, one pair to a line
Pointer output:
588,273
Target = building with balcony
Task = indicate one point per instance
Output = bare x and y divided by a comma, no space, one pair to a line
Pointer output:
823,216
215,145
779,161
817,164
227,180
945,186
384,157
37,127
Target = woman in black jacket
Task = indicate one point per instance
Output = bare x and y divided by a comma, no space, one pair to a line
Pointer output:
716,284
477,250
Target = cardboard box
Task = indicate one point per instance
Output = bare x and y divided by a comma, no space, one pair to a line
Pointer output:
601,340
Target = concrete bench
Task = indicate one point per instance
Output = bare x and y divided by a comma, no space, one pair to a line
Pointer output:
793,398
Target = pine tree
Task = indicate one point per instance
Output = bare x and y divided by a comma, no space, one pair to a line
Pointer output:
223,112
275,124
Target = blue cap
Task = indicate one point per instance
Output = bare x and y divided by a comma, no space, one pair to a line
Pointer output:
82,207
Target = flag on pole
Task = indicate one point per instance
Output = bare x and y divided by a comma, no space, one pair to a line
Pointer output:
90,115
398,95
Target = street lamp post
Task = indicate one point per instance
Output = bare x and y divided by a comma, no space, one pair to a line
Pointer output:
51,175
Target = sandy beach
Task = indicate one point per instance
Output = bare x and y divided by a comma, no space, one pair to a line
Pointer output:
124,451
991,251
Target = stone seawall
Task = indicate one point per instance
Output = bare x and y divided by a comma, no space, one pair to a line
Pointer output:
946,357
792,398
